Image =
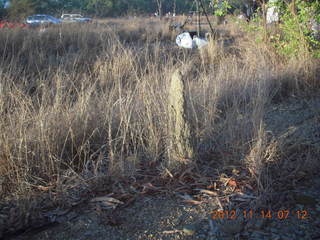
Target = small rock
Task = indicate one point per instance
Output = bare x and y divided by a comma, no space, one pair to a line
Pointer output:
189,230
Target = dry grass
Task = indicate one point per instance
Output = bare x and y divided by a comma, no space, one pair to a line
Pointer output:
88,102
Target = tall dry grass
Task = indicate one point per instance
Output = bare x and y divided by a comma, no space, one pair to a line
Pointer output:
84,102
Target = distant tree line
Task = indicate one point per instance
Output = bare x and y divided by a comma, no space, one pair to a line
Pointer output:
19,9
99,8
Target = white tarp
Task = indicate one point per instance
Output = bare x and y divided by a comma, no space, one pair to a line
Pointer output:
184,40
200,42
272,12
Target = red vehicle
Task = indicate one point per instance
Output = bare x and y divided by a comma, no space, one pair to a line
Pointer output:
11,25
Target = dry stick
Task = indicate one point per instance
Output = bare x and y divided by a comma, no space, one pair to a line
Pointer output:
159,3
205,13
198,18
264,13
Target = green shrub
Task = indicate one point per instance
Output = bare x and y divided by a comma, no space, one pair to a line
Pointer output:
296,36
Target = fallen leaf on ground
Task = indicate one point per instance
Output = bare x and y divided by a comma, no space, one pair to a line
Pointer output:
171,232
149,186
43,188
106,199
243,197
194,202
107,202
213,186
211,193
232,183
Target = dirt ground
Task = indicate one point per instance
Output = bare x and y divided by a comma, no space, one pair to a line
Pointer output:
165,217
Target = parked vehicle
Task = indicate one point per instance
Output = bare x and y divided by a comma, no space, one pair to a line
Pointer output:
11,25
42,19
75,18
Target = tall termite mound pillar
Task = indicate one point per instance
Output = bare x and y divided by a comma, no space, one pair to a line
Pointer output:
180,142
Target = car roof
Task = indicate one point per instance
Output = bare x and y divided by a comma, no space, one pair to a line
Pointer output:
41,15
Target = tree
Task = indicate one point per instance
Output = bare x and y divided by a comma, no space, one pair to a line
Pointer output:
101,8
20,9
73,5
2,10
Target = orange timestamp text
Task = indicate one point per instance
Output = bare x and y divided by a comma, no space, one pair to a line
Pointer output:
250,214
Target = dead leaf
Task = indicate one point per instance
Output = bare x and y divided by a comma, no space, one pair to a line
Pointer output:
232,183
194,202
43,188
243,197
211,193
235,171
107,202
168,172
150,187
106,199
213,186
171,232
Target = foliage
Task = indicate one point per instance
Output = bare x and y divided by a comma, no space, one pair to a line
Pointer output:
21,8
3,13
292,36
221,8
296,35
100,8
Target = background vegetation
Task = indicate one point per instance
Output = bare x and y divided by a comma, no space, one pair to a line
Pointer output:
98,8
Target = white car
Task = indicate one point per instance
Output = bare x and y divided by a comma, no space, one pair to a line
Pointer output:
75,18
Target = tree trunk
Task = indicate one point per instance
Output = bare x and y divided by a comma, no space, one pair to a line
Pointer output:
159,3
